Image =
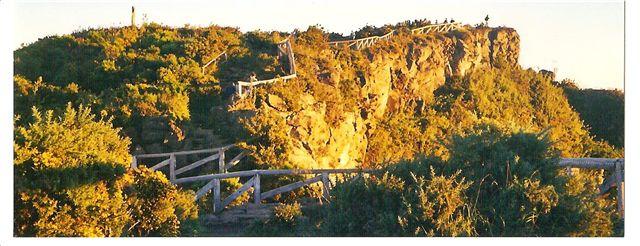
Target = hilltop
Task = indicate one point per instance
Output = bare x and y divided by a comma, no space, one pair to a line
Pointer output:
448,115
389,102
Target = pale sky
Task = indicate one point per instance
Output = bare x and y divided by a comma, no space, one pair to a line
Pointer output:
584,40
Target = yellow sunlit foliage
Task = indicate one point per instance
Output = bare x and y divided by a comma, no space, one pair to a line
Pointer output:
71,179
467,137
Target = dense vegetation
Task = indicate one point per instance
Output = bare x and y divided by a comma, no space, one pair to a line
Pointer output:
475,156
71,179
496,183
601,110
141,74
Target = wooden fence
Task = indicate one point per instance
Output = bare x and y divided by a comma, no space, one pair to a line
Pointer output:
240,84
362,42
616,179
615,166
445,27
319,175
369,41
224,53
169,159
284,49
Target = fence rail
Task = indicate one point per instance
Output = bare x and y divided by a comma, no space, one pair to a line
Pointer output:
319,175
240,85
216,154
616,179
615,166
445,27
224,53
362,43
284,49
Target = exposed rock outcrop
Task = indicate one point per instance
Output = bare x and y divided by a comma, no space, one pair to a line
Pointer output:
397,73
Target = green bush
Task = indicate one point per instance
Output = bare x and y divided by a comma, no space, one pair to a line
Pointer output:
71,180
156,207
287,213
497,182
519,190
288,220
601,110
418,204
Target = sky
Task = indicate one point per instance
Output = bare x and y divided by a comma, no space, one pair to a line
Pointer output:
584,40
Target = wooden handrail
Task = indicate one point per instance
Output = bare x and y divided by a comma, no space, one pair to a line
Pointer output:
174,170
189,152
214,59
219,204
266,81
321,175
614,180
361,40
241,84
590,163
249,173
284,46
368,41
448,25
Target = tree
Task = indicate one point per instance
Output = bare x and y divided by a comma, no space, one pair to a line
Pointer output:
71,179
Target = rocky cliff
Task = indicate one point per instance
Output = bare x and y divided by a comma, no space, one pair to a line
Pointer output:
328,115
397,99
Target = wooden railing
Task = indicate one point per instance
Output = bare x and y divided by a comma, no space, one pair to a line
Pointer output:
224,53
284,49
319,175
240,84
174,170
362,42
616,179
369,41
445,27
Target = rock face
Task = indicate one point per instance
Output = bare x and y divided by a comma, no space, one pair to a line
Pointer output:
399,72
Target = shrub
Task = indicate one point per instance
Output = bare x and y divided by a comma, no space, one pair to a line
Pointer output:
421,204
64,172
90,210
601,110
497,182
519,190
287,220
287,213
156,206
71,180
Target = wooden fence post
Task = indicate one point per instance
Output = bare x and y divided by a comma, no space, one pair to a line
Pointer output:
239,89
216,196
620,188
325,186
256,190
221,167
172,168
